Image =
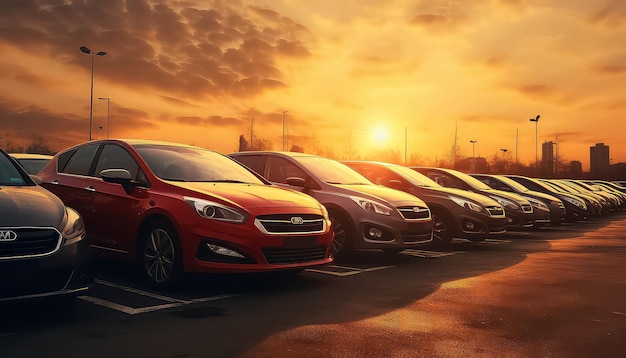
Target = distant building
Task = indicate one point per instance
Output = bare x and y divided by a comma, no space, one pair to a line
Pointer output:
599,161
575,169
547,158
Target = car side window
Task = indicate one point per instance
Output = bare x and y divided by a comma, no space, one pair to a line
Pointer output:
115,157
254,162
279,169
80,161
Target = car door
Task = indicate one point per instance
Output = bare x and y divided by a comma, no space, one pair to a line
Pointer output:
116,211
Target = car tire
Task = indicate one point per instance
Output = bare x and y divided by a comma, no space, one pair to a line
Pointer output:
161,255
442,228
341,240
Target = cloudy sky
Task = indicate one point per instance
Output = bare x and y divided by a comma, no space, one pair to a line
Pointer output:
205,72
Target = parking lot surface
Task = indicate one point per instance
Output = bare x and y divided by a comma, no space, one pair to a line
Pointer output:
552,292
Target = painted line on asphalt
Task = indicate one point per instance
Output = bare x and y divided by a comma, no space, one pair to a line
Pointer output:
126,309
427,253
352,270
140,292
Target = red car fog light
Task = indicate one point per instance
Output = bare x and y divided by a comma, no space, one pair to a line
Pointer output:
223,251
215,251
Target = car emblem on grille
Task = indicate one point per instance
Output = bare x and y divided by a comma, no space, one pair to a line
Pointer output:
416,209
8,235
296,220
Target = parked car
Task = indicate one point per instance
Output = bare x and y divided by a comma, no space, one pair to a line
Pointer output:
364,215
43,251
176,208
456,213
32,163
551,208
614,201
519,212
593,202
575,207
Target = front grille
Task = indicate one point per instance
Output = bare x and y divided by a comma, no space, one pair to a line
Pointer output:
414,212
495,211
30,242
527,208
291,224
281,256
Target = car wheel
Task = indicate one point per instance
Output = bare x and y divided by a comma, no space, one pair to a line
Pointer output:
341,239
161,255
442,228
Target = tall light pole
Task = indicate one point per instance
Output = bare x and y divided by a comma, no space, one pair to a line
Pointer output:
473,156
284,112
86,50
504,150
24,138
108,113
536,120
406,132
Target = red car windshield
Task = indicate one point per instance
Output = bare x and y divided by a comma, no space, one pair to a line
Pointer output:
180,163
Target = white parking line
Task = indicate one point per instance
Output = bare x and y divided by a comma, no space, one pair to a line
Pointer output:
352,270
174,302
427,253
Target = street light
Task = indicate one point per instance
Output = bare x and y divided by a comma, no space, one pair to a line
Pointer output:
86,50
536,120
284,112
504,150
473,157
108,113
24,138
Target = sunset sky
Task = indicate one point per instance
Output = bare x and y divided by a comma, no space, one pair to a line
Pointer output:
202,72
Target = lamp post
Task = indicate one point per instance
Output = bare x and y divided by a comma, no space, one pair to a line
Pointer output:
473,156
284,112
536,120
86,50
108,113
504,150
24,138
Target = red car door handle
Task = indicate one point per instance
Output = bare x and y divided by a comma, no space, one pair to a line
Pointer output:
90,188
55,182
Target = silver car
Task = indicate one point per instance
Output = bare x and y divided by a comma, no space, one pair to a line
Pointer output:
364,215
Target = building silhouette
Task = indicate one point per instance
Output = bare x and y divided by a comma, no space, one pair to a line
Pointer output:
547,158
599,161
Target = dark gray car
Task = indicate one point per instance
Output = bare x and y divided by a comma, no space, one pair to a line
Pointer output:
43,251
363,215
456,213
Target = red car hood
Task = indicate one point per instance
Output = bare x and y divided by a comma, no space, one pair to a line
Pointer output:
252,196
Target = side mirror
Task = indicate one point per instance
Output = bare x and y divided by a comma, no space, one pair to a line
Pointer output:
296,181
394,183
36,179
119,176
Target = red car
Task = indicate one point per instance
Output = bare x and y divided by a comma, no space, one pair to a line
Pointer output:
175,208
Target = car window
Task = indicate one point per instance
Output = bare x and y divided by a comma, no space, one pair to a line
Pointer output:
33,166
279,169
80,161
116,157
9,174
191,164
254,162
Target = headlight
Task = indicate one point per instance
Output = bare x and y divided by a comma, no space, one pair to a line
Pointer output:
467,204
576,202
505,202
215,211
372,206
537,204
72,227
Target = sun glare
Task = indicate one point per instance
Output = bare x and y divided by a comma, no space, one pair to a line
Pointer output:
381,135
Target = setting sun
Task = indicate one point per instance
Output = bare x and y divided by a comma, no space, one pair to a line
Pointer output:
381,135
